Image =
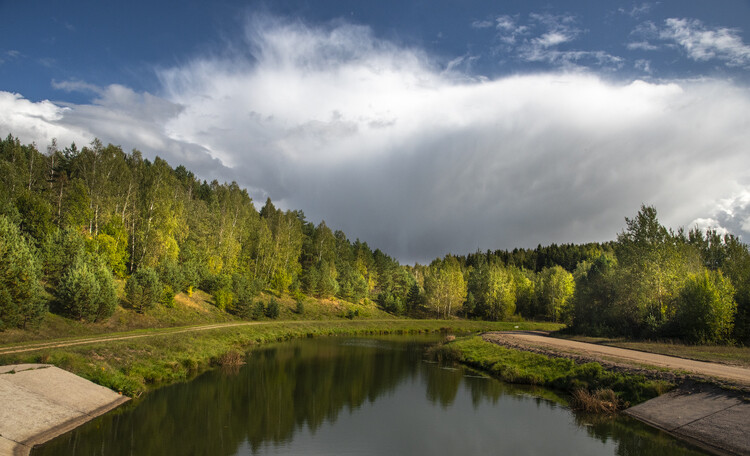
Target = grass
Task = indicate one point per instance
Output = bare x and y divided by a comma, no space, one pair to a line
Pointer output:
602,400
197,309
517,366
134,366
726,354
188,310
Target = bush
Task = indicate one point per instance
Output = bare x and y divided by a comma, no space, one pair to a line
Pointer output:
87,290
223,299
170,274
259,309
243,291
273,310
143,289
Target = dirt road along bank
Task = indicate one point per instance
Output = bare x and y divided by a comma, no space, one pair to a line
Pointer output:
703,414
637,360
40,402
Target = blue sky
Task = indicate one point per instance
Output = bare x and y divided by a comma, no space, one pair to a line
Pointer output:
421,127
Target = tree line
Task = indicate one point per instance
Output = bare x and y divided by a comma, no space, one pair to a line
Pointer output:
73,221
651,282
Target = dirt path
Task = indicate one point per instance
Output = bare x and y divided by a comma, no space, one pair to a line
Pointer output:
33,346
620,356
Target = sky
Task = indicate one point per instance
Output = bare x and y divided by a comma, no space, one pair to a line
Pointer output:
423,127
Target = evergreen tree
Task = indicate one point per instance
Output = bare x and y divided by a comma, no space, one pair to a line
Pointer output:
143,289
21,301
86,290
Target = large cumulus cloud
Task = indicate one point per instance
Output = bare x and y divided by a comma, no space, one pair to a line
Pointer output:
384,142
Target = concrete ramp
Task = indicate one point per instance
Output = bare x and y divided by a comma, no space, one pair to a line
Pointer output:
710,417
38,402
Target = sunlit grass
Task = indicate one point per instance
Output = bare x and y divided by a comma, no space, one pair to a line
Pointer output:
523,367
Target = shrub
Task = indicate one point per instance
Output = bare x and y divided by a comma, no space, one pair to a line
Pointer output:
273,310
243,292
259,309
87,290
143,289
171,275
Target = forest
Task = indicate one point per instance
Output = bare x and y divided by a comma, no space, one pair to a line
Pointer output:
75,221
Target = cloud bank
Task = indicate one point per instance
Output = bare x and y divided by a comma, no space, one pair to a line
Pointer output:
395,148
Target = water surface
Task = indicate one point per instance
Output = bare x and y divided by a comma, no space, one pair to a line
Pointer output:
355,396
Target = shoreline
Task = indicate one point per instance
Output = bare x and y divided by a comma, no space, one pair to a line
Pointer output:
711,413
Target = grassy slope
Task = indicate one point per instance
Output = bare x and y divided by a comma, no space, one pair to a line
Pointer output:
197,309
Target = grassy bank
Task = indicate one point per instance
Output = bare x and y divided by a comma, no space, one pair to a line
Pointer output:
137,365
517,366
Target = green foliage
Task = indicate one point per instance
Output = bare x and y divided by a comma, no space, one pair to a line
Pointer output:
391,304
594,309
259,310
654,264
414,299
171,275
59,249
706,309
553,294
86,290
273,311
35,214
493,292
21,302
143,289
112,245
243,292
223,299
445,287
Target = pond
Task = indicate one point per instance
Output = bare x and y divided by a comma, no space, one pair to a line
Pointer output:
355,396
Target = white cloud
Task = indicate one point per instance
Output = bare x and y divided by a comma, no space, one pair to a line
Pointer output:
481,24
701,42
637,11
382,142
643,65
551,39
540,40
706,224
641,46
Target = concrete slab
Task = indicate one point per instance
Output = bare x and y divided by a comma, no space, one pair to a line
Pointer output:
41,402
728,429
683,406
708,416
